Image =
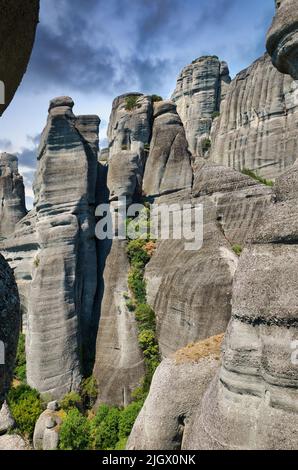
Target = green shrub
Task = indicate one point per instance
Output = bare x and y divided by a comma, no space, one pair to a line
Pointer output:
215,114
121,444
206,145
70,401
131,102
26,407
137,253
104,433
36,261
156,98
256,177
145,317
74,432
127,419
237,249
20,367
89,392
124,147
137,284
131,306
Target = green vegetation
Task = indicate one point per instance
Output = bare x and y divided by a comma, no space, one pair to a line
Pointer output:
36,261
237,249
20,367
124,147
71,401
131,102
256,177
206,145
26,406
75,431
156,98
89,392
215,115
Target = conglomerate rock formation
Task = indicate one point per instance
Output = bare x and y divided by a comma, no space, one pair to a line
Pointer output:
176,392
190,290
54,252
252,402
200,88
12,195
19,20
257,127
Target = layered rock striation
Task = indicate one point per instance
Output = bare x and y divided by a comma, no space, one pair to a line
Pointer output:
200,89
258,121
12,195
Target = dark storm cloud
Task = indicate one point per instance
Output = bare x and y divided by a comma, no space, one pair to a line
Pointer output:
116,45
27,158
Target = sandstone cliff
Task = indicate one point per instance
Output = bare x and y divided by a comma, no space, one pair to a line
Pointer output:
258,121
200,88
12,194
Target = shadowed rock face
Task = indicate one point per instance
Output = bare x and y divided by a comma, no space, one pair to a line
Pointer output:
12,194
9,325
19,20
282,38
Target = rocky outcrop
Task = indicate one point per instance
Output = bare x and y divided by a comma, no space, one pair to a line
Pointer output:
258,122
200,88
53,252
119,364
9,325
46,432
130,123
12,195
17,32
190,291
252,403
282,38
13,442
168,166
176,391
7,423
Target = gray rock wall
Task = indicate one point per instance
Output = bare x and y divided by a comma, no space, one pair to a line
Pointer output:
200,88
257,127
12,195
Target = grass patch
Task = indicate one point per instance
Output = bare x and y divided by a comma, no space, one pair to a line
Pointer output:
255,176
131,102
237,249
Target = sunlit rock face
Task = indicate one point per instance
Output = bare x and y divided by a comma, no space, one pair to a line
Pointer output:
282,38
257,126
19,20
200,88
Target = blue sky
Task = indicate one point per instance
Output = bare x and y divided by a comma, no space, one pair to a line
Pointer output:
94,50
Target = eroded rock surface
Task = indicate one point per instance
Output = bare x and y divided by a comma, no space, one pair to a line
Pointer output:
190,291
282,38
257,127
176,391
12,195
200,88
168,166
